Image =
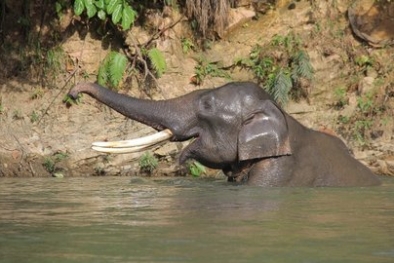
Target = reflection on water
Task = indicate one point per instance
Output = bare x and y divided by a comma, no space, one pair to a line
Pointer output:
123,219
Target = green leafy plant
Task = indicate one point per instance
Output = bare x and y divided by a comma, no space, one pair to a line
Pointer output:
196,169
51,161
359,124
148,162
360,127
111,70
365,103
301,66
54,58
119,11
2,109
363,61
113,67
157,60
343,119
282,66
59,156
289,43
279,86
70,101
187,45
145,58
49,164
205,68
99,170
34,117
340,96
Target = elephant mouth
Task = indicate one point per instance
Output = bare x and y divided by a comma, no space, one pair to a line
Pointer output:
133,145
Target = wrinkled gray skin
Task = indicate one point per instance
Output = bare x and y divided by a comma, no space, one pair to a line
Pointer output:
238,128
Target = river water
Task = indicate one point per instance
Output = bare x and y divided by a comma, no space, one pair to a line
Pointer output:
125,219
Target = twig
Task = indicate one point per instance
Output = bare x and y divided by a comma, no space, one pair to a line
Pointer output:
141,59
8,149
57,95
158,34
72,74
32,170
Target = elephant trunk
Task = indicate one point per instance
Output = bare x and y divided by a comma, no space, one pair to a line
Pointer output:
174,114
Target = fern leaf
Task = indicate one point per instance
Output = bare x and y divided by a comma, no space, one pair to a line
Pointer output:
158,61
102,74
281,87
302,66
117,66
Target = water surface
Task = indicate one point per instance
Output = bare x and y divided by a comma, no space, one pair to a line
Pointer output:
124,219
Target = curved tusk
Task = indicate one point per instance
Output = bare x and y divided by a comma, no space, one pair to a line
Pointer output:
134,145
119,150
143,141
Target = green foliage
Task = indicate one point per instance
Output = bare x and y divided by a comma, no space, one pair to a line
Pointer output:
59,156
343,119
301,66
49,65
49,164
289,43
281,66
279,86
2,108
363,61
365,104
122,13
119,11
111,70
59,5
158,61
196,169
360,123
205,68
113,67
34,117
51,161
116,67
70,101
360,127
187,45
340,96
148,163
54,58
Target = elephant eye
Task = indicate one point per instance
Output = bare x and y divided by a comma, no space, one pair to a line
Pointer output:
206,105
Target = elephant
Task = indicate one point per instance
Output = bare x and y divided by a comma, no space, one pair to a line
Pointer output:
239,129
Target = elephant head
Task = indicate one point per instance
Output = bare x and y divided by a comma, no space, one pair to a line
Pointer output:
233,127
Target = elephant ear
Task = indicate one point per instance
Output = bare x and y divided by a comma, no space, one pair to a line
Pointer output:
264,134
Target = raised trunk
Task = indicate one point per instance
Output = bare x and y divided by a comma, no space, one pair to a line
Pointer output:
176,114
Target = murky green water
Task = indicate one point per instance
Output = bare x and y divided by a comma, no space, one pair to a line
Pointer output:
125,219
